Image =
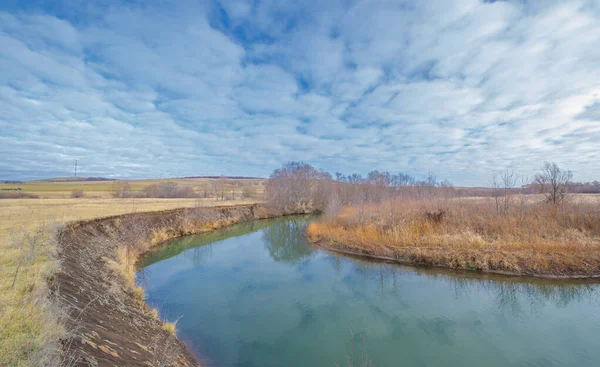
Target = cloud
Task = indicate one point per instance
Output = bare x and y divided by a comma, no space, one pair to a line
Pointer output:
460,88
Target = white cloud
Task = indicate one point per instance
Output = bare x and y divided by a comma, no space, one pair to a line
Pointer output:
457,87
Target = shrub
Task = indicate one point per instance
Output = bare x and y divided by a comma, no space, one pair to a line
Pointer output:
77,193
18,195
169,190
121,190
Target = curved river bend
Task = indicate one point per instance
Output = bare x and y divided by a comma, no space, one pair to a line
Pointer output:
256,294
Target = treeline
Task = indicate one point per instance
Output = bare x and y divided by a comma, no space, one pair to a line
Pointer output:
299,186
221,189
584,187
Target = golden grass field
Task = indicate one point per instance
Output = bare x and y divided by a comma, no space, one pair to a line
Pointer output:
102,189
530,238
28,323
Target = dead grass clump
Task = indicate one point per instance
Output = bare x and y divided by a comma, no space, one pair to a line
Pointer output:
532,238
170,327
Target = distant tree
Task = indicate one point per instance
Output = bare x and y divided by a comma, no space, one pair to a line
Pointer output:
249,191
508,180
121,189
205,190
169,190
220,185
552,182
496,193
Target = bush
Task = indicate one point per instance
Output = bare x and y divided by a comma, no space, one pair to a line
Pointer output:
77,194
18,195
121,190
249,191
169,190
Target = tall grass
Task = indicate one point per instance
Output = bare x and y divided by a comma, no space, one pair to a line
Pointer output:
30,324
531,238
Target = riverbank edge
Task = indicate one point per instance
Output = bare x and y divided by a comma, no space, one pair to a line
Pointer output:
403,261
109,322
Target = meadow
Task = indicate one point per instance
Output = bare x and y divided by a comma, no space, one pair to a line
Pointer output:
528,236
62,188
30,326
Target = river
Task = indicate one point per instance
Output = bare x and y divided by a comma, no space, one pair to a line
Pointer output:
257,294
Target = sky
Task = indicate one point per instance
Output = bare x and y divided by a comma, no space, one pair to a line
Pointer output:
459,88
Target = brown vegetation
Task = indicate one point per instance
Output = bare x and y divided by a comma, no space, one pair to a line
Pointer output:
297,187
514,229
17,195
532,239
77,194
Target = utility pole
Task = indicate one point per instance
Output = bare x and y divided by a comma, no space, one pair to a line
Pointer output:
76,168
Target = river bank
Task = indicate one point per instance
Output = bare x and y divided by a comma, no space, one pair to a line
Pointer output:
533,239
109,323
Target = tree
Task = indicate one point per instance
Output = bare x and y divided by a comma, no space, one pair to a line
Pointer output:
552,182
296,186
495,183
249,191
121,189
508,179
503,185
205,190
219,186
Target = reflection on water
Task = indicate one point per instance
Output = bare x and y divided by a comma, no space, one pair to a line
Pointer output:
257,294
284,243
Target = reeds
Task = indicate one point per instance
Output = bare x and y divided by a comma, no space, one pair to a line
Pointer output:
469,233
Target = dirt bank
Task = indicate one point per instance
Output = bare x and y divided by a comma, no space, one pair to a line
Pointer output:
109,322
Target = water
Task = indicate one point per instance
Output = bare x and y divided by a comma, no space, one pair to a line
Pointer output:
257,295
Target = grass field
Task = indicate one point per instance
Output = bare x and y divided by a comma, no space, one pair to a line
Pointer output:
29,325
102,189
528,238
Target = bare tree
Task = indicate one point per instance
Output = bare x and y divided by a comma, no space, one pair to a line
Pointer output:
219,186
508,180
297,186
249,191
204,190
495,184
552,182
121,189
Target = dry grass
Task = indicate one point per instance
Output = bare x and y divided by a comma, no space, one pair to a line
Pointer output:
102,189
28,324
533,238
170,327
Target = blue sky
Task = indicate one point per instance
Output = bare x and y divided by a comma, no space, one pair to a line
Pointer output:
460,88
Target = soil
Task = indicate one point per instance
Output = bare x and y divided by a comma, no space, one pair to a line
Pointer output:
109,325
